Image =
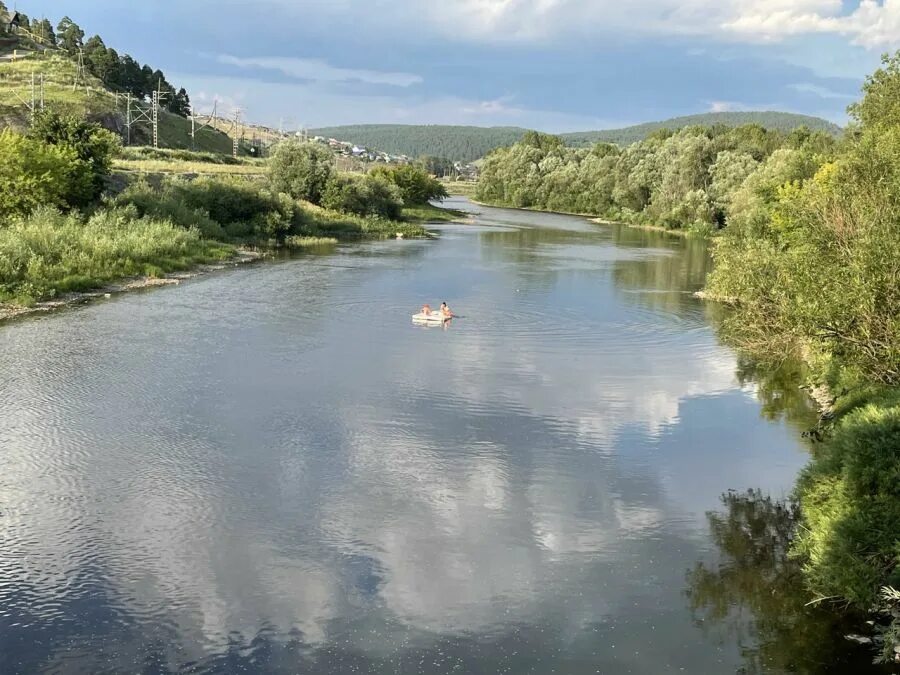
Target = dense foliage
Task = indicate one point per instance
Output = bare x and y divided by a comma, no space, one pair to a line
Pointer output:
301,170
364,195
688,179
250,212
92,146
34,174
63,163
416,186
467,144
811,257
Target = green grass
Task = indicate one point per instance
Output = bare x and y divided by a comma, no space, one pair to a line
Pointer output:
462,188
91,99
428,213
49,254
297,241
318,222
171,166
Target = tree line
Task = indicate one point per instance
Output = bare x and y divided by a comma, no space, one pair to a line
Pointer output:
687,179
120,72
808,253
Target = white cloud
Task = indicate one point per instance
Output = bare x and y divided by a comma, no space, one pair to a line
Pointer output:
721,106
317,70
873,24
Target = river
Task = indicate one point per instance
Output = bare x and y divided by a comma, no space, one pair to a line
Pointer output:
270,469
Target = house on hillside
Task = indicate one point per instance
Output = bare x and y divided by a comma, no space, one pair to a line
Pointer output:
9,22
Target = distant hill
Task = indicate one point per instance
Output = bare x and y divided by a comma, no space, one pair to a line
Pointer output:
459,143
781,121
466,144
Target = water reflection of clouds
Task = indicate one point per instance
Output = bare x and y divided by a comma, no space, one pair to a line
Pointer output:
305,473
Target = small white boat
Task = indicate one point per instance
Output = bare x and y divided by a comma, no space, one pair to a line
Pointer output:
433,318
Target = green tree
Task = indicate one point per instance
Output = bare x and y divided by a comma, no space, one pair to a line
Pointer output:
132,76
179,103
44,31
880,106
98,60
92,146
301,170
33,174
364,195
416,186
70,35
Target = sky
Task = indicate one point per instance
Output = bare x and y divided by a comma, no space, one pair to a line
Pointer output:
554,65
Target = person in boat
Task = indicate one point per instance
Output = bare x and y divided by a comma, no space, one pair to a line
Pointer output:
445,310
426,309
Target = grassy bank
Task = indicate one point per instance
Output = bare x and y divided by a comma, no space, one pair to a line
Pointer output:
47,254
460,188
428,213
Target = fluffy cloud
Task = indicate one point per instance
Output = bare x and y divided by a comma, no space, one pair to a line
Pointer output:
873,24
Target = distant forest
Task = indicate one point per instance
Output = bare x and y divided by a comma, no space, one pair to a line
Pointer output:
467,144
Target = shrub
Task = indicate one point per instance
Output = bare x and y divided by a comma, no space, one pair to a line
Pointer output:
415,185
92,145
363,195
301,170
850,496
48,253
34,174
166,203
246,210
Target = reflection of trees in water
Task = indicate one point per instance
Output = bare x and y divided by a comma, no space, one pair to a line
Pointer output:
778,389
686,270
668,279
756,593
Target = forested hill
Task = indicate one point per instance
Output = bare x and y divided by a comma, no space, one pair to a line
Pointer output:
774,121
459,143
466,144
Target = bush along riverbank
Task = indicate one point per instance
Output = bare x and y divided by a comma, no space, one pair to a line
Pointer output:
694,180
59,233
812,265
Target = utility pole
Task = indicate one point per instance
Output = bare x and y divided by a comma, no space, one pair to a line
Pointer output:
80,73
235,130
33,102
158,96
155,121
128,119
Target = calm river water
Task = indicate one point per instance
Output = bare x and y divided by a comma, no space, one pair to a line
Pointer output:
271,470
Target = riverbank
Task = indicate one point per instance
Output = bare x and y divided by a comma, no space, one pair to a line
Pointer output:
137,283
593,218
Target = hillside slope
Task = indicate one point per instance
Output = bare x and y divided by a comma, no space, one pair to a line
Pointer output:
780,121
89,99
466,144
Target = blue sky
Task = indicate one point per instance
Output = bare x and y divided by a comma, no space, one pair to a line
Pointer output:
556,65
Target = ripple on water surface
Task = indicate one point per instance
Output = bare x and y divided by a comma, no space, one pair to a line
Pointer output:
272,470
